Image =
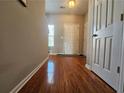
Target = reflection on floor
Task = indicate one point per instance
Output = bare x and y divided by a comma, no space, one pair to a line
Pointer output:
65,74
50,72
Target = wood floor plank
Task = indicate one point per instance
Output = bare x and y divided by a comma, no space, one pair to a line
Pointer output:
65,74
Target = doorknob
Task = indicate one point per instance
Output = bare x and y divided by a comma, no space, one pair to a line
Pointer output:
95,35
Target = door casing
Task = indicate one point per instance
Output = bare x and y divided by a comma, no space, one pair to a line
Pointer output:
121,82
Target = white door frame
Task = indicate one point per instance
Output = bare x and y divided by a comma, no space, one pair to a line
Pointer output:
90,33
121,83
121,87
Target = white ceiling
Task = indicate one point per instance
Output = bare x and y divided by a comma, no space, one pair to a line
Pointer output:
53,7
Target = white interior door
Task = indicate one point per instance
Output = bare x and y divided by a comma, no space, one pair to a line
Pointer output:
107,40
71,38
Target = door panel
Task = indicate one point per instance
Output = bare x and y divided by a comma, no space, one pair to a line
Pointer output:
108,48
110,7
97,52
103,14
107,40
98,19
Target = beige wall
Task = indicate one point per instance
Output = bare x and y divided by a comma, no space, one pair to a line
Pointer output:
85,34
58,21
23,40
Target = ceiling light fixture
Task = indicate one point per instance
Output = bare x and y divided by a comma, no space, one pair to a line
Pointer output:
72,3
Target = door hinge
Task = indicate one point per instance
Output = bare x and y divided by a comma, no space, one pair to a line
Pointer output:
122,17
118,69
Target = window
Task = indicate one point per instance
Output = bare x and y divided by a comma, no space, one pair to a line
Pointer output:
51,36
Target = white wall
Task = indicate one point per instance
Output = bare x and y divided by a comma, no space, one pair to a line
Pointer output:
23,40
58,21
85,34
89,33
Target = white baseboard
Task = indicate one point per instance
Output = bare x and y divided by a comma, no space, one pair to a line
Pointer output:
26,79
55,53
63,54
52,53
88,66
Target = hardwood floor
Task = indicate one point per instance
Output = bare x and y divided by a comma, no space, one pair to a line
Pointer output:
62,74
